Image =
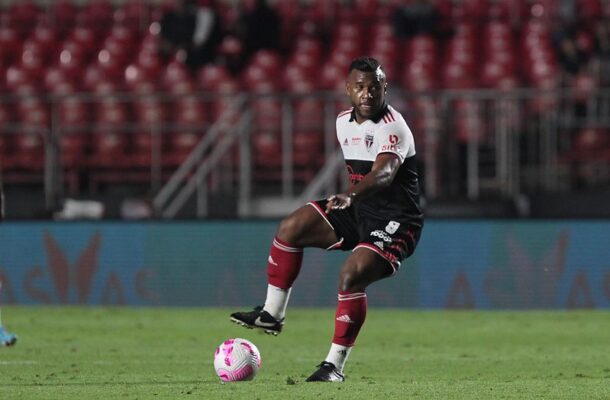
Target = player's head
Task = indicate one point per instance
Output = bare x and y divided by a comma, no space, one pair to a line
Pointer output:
366,86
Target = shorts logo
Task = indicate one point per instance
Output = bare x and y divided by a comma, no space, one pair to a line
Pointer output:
382,235
379,244
392,227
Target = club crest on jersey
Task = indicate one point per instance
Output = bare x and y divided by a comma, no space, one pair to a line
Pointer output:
391,227
368,140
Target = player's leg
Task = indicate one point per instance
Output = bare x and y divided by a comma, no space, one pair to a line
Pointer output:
305,227
362,268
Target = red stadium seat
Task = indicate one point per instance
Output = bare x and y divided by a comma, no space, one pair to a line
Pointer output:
110,142
224,98
267,149
7,152
190,124
46,36
10,45
584,87
33,60
469,121
96,14
73,120
133,13
29,142
23,15
211,75
63,14
150,117
269,60
86,39
175,74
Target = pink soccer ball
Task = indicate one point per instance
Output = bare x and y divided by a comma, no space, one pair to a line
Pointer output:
237,360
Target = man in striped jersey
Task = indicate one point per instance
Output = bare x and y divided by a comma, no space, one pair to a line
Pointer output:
378,217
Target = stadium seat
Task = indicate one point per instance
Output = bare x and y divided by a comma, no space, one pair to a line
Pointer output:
211,75
22,16
110,141
469,121
7,152
189,124
62,14
584,85
97,15
46,37
72,125
29,142
269,60
150,117
86,41
10,45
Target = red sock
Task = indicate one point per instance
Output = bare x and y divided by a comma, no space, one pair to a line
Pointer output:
284,264
350,315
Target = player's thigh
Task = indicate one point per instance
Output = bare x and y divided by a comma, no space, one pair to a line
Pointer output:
362,268
305,227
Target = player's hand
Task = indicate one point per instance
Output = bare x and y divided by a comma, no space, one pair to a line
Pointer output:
338,202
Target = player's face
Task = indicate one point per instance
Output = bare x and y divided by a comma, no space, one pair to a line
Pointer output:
367,92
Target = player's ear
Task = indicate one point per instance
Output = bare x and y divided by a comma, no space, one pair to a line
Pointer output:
347,88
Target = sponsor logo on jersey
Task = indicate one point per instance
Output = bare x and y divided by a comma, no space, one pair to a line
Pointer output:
345,142
382,235
391,227
393,145
356,141
354,177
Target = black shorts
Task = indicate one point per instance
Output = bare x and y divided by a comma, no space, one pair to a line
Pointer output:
393,240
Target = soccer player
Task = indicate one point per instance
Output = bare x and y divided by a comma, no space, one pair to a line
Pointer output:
6,338
378,217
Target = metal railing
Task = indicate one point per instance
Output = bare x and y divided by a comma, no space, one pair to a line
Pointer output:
471,144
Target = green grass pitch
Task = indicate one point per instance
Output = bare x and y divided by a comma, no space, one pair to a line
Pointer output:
166,353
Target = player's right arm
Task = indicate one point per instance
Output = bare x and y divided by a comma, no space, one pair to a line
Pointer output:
382,174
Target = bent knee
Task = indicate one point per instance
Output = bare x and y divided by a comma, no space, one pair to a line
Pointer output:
351,280
290,230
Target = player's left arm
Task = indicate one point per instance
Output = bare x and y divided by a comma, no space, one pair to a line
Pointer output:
395,144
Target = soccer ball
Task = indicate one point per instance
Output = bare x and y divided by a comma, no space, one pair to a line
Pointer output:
236,360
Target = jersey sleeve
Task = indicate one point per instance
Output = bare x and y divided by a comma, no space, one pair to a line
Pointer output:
395,138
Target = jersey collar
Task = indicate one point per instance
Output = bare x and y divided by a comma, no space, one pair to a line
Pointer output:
375,119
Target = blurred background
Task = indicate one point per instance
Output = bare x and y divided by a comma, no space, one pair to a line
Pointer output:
133,109
177,133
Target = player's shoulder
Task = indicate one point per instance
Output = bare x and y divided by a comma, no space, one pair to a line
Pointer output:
391,116
345,114
391,119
